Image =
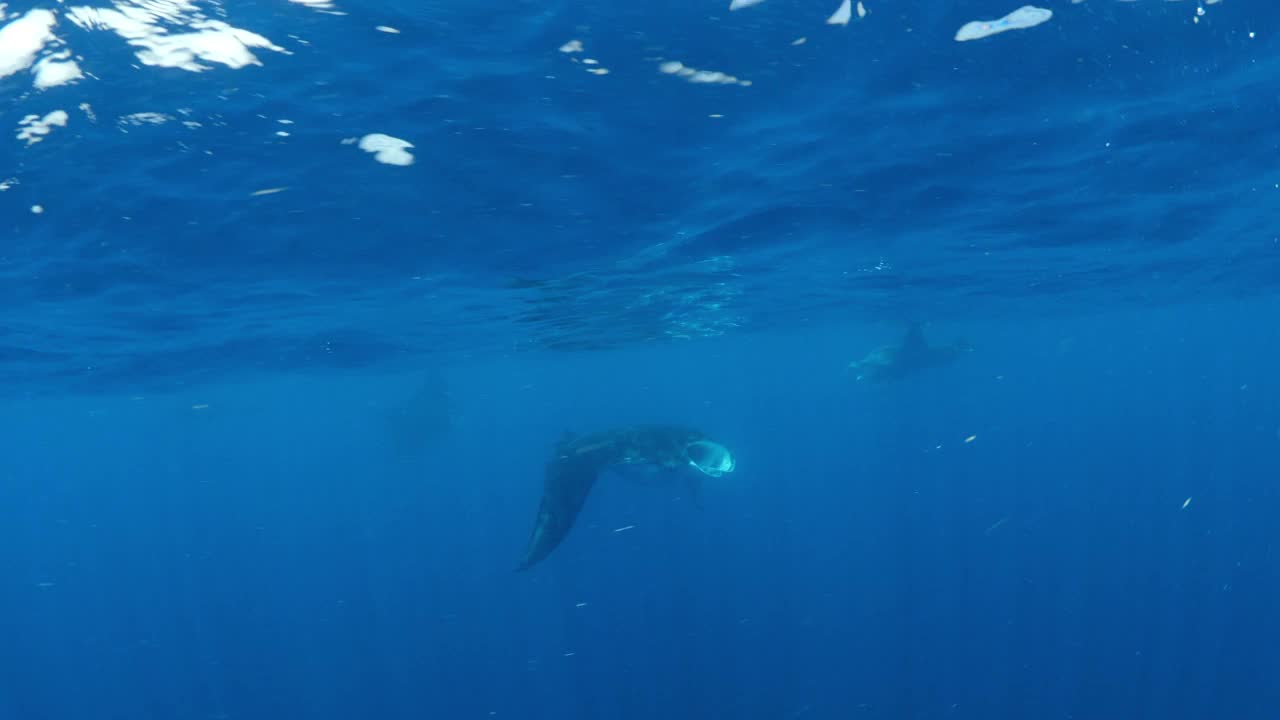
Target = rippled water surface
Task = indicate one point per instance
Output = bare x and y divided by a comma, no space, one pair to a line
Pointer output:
186,189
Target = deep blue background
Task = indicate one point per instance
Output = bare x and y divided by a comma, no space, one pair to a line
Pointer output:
203,515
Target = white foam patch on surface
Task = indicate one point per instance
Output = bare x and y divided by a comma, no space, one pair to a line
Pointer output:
23,39
574,47
386,149
842,14
1024,17
694,75
322,6
34,128
141,23
740,4
7,183
56,69
144,118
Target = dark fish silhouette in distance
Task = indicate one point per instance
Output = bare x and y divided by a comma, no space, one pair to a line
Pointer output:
912,355
419,423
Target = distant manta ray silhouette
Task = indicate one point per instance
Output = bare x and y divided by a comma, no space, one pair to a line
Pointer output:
419,423
912,355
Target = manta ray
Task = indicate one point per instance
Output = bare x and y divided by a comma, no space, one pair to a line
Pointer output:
578,461
912,355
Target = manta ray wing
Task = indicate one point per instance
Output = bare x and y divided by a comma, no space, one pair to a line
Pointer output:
569,479
913,344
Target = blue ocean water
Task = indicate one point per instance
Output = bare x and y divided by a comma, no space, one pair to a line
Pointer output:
277,405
